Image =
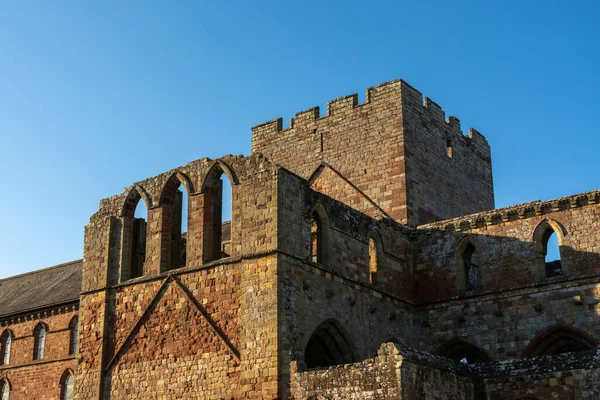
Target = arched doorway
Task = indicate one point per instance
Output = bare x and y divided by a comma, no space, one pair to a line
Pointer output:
328,346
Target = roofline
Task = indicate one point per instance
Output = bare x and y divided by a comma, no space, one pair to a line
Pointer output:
41,270
47,306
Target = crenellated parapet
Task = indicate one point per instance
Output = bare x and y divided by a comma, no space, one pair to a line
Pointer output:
382,146
376,96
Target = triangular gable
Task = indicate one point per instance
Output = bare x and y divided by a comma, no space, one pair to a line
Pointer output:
330,182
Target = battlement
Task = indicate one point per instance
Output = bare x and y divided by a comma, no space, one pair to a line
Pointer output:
376,96
384,146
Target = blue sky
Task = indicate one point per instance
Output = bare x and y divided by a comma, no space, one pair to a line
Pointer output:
97,95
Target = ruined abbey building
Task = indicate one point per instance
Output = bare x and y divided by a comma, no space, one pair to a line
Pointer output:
364,259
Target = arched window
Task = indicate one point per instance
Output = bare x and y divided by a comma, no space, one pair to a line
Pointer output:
468,273
559,339
472,274
316,231
4,389
218,228
73,334
548,237
459,350
67,386
135,214
5,342
39,341
375,254
319,235
175,208
328,346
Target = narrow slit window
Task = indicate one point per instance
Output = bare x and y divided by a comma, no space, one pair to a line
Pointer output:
373,260
316,231
449,148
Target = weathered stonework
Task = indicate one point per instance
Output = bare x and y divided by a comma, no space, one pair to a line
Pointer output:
363,260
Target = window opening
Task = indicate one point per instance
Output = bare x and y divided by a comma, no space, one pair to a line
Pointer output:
74,330
316,238
552,254
5,392
5,347
40,341
68,387
373,260
472,273
138,236
179,221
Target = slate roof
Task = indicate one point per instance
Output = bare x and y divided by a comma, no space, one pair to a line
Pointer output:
42,288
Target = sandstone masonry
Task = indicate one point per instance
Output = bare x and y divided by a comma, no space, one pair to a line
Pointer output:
364,259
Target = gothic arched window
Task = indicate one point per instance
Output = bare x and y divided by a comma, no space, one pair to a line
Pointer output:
5,342
548,237
4,389
39,341
67,386
73,332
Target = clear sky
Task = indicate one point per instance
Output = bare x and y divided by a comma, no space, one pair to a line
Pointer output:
95,95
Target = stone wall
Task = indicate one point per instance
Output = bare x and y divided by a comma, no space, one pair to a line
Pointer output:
397,372
563,377
388,154
39,379
516,302
205,327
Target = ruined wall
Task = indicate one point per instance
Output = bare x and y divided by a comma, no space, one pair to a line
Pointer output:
197,330
506,250
387,155
397,372
564,377
516,301
345,239
39,379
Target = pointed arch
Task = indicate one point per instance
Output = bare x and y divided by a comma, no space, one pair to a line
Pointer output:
5,389
134,234
540,237
131,201
175,213
5,345
214,246
39,341
73,334
329,345
558,339
375,248
468,274
319,234
67,385
177,179
214,173
460,350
